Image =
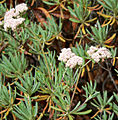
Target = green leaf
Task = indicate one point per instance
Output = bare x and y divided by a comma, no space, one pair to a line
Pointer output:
48,3
70,117
83,113
55,108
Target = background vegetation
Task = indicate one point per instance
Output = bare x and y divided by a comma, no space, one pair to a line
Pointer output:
35,85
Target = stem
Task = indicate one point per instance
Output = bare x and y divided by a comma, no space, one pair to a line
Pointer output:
81,105
46,62
77,82
75,87
110,74
41,115
64,74
42,46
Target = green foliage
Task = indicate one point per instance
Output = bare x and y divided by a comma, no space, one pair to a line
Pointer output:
3,9
64,101
80,12
21,36
100,34
7,96
105,117
14,66
52,2
35,85
80,51
111,5
101,103
90,90
29,84
25,111
114,105
40,36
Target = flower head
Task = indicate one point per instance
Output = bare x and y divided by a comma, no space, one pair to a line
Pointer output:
73,61
20,8
12,18
104,52
98,53
96,57
65,54
92,50
9,14
70,59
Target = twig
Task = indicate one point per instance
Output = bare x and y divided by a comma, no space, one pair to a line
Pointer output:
75,87
110,74
77,82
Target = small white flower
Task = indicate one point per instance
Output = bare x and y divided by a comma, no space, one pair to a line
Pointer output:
12,18
20,8
9,14
104,52
75,60
73,54
13,23
108,54
96,57
99,53
92,50
66,50
65,55
70,58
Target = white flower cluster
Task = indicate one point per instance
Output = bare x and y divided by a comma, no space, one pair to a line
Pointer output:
70,58
20,8
73,61
12,18
99,53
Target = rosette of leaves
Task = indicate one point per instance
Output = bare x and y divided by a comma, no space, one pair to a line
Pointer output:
90,90
103,104
100,35
41,36
80,15
61,5
29,85
26,110
7,98
63,103
13,66
111,11
63,107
